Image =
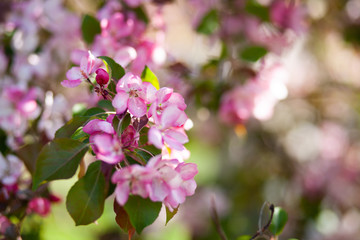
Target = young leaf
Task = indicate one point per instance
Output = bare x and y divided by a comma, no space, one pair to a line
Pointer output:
209,24
142,212
90,27
58,159
253,53
85,200
170,215
148,76
279,220
114,69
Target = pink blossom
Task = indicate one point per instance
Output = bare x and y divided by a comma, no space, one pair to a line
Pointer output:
288,15
105,143
18,105
10,169
4,224
107,148
132,179
148,53
78,74
165,97
39,206
256,98
133,94
168,130
167,181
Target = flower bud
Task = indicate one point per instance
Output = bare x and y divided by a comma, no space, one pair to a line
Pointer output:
102,77
40,206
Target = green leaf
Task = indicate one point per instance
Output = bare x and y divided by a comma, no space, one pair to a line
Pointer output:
73,124
85,200
70,127
90,27
79,135
279,220
28,154
113,68
244,237
105,104
148,76
170,215
58,159
253,53
256,9
142,212
209,24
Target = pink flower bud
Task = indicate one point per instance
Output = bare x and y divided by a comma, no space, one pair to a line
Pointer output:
102,77
40,206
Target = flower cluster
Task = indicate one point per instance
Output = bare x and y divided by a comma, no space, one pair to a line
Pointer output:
161,112
256,98
18,106
164,180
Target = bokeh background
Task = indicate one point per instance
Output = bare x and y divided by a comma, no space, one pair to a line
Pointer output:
304,158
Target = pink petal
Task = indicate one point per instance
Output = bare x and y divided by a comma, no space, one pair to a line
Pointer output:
159,190
71,83
178,100
164,94
122,192
172,143
169,116
73,73
137,107
187,170
177,135
189,187
98,126
155,137
149,92
120,101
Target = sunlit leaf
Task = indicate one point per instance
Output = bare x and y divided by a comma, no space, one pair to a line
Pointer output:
244,237
85,200
279,220
148,76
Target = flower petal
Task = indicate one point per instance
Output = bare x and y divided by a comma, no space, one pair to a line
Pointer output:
155,137
73,73
122,192
137,107
71,83
98,126
120,101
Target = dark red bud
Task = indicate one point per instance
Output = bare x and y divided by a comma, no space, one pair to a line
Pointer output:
102,77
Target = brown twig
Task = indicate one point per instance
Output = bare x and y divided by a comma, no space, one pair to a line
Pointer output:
260,231
215,218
